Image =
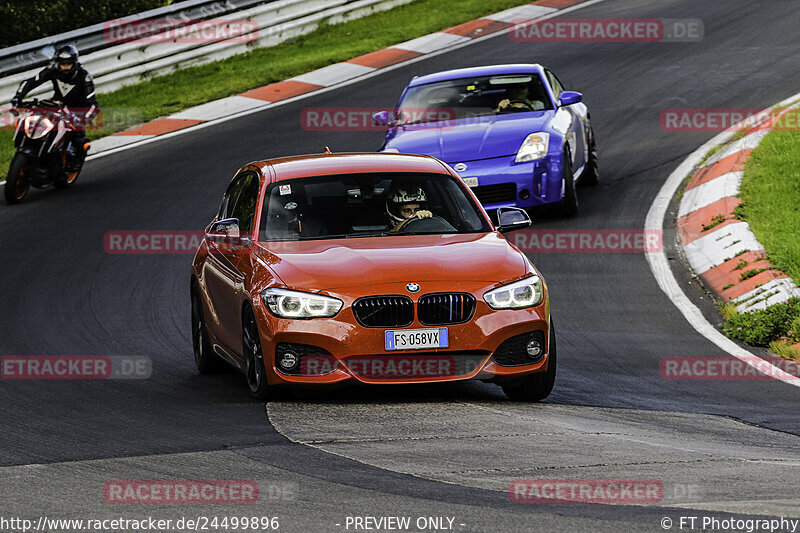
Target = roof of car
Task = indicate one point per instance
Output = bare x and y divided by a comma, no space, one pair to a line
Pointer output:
519,68
301,166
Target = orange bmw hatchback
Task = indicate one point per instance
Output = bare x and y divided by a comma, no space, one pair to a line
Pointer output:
367,268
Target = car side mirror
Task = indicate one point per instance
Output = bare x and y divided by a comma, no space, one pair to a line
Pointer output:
512,218
225,232
569,98
381,118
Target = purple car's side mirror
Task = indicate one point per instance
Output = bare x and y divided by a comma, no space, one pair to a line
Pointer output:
569,98
380,118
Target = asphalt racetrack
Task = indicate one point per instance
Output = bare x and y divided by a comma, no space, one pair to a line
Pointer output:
720,448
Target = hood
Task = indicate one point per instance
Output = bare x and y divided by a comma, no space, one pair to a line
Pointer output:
341,263
469,139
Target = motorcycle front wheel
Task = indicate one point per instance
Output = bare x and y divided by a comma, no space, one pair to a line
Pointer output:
17,184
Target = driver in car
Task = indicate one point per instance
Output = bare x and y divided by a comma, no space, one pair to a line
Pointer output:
517,99
406,204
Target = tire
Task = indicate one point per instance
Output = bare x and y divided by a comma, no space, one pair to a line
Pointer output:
536,387
254,371
591,174
17,184
204,357
569,204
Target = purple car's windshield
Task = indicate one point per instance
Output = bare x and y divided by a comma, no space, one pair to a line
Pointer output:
368,205
472,97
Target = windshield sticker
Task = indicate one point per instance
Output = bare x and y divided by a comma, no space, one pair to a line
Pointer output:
285,189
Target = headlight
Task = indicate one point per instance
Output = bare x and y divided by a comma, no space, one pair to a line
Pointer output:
37,126
391,151
533,147
293,304
526,292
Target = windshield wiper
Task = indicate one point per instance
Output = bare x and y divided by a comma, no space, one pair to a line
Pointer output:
375,234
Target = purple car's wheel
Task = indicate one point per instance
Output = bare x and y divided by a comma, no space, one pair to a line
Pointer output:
591,175
569,203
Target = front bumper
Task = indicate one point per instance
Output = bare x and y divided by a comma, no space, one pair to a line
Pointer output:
340,350
503,183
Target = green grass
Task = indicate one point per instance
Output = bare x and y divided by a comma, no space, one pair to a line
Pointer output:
781,349
327,45
770,195
763,326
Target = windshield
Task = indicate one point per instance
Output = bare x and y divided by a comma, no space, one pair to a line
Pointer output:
368,205
472,97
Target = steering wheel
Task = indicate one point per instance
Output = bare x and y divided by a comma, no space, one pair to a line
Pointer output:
523,102
433,224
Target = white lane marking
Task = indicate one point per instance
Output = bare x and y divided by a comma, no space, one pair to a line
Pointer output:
713,248
520,13
432,42
666,280
376,72
333,74
115,141
219,108
710,192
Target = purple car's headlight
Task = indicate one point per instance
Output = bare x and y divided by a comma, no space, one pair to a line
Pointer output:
533,147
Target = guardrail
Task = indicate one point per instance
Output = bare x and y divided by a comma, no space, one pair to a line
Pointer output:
124,64
36,54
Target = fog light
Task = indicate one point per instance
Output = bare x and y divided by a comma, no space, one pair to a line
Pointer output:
288,361
534,348
524,194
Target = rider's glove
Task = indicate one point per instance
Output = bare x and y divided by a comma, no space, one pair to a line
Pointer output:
422,213
16,101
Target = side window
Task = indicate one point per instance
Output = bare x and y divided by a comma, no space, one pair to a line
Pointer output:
229,198
555,85
245,206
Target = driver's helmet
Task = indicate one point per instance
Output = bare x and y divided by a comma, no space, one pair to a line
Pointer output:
404,195
66,54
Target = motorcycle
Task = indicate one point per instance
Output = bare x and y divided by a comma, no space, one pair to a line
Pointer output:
41,139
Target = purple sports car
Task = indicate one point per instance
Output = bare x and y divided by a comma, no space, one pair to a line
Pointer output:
512,132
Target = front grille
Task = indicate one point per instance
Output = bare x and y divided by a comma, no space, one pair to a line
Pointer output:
497,193
384,311
445,308
513,353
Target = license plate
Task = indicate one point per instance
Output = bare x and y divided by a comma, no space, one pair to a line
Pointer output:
471,182
416,339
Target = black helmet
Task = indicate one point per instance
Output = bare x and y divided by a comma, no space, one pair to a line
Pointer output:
66,54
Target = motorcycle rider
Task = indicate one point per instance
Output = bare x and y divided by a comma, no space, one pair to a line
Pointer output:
72,86
405,204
